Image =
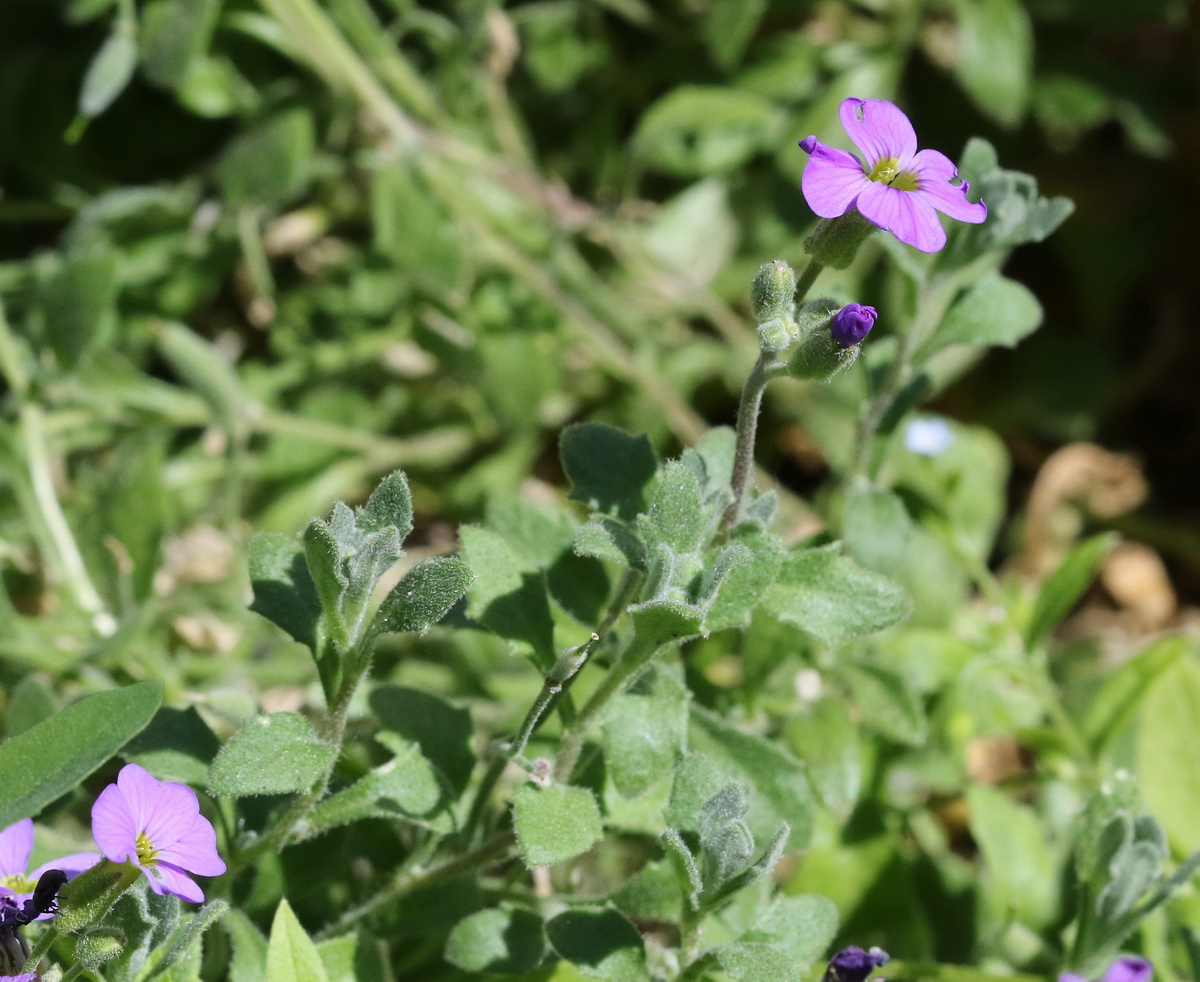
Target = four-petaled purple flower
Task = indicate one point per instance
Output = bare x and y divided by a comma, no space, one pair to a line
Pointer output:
899,188
852,323
157,826
1128,969
16,845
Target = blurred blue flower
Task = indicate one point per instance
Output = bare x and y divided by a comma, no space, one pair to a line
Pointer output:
928,437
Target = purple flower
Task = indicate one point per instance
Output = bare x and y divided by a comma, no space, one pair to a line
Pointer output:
854,965
899,188
25,977
16,845
852,323
157,826
1122,970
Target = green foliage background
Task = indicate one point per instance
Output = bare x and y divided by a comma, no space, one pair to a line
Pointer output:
258,254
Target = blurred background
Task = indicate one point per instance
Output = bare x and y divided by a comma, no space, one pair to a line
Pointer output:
254,254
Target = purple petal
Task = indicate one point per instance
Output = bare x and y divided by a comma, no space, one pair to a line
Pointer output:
1129,970
164,810
113,825
196,851
832,180
879,129
167,879
16,843
908,215
935,174
1071,977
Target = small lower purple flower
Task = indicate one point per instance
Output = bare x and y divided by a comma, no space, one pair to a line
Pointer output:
24,977
852,323
853,964
157,826
1129,969
16,846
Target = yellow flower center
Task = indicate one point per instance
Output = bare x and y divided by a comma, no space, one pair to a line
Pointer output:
887,171
147,855
18,883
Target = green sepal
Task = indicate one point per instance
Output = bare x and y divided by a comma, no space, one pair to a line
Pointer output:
820,358
835,241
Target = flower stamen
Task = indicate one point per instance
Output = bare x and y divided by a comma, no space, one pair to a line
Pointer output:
146,853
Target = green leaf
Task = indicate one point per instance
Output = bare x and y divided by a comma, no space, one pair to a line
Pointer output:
501,940
353,958
423,596
268,162
644,731
274,754
555,824
406,787
888,703
443,732
832,598
607,468
1066,584
826,739
283,590
508,597
876,529
182,949
676,516
601,943
791,933
612,540
174,37
993,311
79,304
390,506
1105,824
1121,695
324,563
742,588
726,843
771,772
1021,872
291,955
1168,752
249,961
55,755
30,702
995,60
1134,869
176,746
695,131
110,71
411,225
728,28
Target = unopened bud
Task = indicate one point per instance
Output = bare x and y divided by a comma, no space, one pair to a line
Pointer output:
830,342
89,895
835,241
852,323
773,293
97,947
854,965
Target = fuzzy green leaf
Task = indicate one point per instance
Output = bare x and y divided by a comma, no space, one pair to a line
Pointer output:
502,941
832,598
273,754
607,468
390,506
283,590
644,731
599,942
555,824
54,756
291,955
423,596
442,731
676,516
994,311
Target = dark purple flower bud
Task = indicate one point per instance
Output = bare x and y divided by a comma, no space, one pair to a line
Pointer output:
852,323
853,964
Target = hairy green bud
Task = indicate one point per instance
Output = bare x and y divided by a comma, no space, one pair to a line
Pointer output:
819,357
773,293
99,946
